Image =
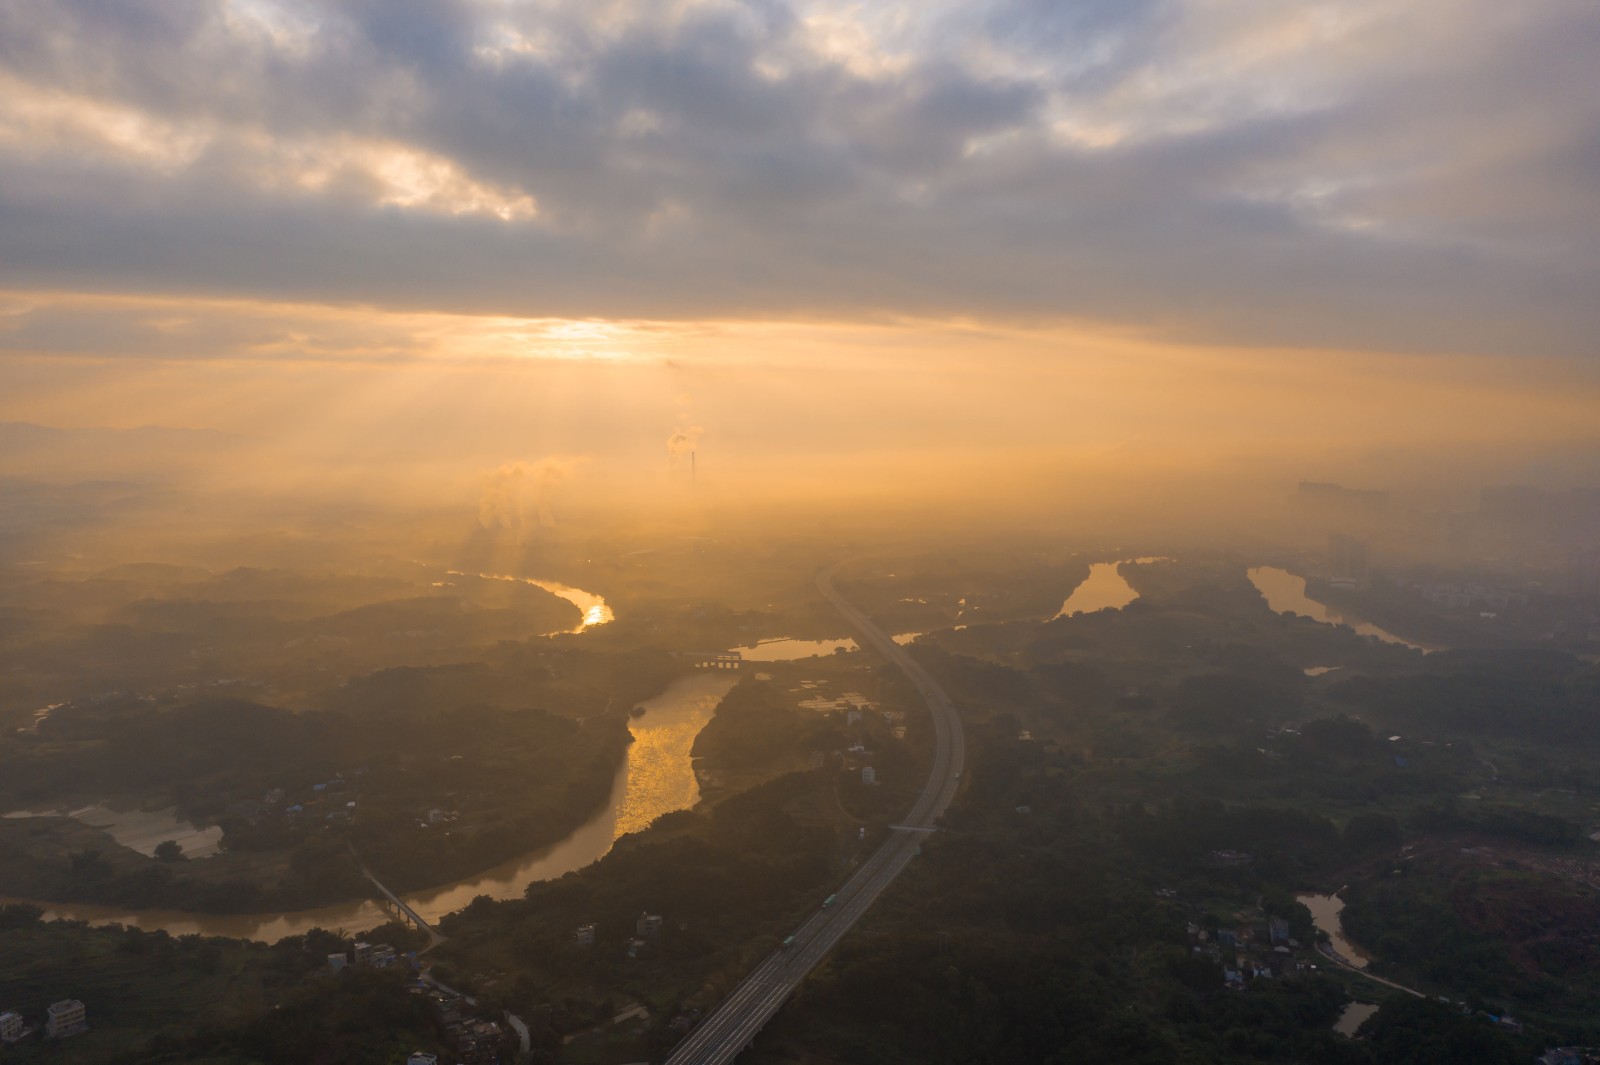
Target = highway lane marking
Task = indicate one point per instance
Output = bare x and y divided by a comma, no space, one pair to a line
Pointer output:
753,1002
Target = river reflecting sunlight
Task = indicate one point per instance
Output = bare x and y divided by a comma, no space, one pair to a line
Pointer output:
657,778
1104,588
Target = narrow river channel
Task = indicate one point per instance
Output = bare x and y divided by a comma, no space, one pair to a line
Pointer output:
1285,591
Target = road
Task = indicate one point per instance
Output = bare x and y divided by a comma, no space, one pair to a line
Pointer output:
1344,963
512,1019
732,1026
434,935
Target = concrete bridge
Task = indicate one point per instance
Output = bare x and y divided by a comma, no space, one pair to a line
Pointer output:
405,911
732,1026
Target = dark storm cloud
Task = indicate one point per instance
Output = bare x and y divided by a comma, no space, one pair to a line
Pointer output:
1362,175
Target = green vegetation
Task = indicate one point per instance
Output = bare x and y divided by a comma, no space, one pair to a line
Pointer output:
757,732
728,883
1146,792
1059,934
1543,697
729,879
153,998
1184,772
424,727
1491,928
295,793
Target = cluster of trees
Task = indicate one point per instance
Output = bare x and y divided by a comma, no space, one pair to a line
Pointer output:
1038,937
158,998
1493,934
520,778
729,882
755,728
358,1016
1541,696
1231,705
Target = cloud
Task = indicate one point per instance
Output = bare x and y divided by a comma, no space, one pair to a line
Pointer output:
1359,174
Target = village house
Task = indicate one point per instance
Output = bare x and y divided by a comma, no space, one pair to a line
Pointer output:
11,1027
65,1018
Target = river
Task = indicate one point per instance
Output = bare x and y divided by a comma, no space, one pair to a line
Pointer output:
1284,591
1325,910
787,650
1103,589
594,609
657,778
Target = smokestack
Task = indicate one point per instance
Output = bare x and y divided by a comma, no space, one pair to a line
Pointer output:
691,465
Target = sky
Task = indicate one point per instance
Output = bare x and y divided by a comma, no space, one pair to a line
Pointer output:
518,229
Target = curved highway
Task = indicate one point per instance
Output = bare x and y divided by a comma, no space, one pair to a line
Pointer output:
736,1020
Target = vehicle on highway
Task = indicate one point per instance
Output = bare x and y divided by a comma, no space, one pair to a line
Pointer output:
728,1030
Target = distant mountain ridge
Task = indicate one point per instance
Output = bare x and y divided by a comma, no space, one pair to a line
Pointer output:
26,434
51,453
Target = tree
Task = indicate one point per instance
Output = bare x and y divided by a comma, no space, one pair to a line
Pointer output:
170,850
89,864
1411,1031
1340,735
1372,832
19,915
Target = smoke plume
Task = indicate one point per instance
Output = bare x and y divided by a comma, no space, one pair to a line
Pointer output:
518,495
683,439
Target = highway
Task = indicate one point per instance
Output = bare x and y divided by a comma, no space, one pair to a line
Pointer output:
731,1027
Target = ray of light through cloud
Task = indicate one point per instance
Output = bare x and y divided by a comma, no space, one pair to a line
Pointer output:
642,208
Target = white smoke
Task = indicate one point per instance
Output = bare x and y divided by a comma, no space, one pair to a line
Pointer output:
683,439
518,495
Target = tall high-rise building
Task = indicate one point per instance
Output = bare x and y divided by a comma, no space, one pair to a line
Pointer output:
1584,572
1347,561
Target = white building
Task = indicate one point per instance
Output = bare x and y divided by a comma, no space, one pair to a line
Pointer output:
11,1028
67,1017
420,1058
869,775
584,935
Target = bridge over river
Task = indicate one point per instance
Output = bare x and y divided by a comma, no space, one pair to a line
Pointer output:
732,1026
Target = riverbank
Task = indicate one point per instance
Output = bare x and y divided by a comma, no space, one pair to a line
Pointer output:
654,777
428,797
1285,591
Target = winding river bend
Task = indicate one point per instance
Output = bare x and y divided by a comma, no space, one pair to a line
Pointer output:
596,611
656,778
1285,591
